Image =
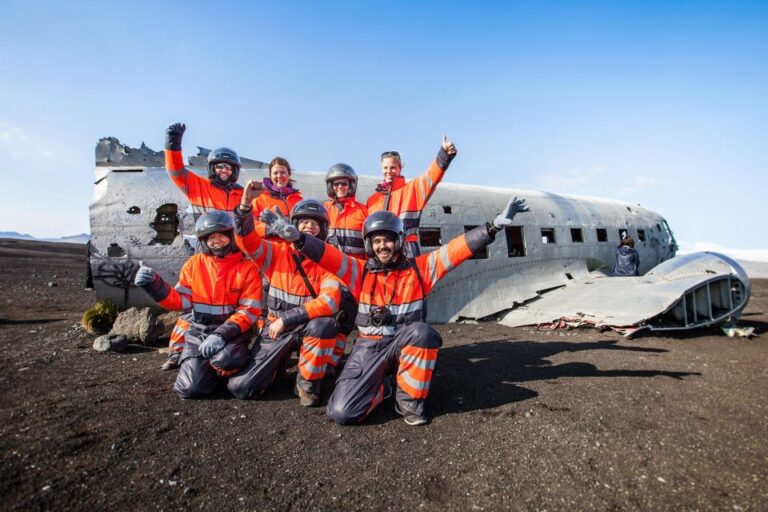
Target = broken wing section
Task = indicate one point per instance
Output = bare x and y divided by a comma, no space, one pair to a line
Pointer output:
686,292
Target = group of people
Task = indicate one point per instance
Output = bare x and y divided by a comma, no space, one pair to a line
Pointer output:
329,267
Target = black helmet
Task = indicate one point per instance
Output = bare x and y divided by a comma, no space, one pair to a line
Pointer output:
215,222
311,209
224,156
383,221
339,171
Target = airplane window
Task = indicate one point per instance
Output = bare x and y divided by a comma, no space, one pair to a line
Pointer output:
548,235
576,235
641,235
447,209
658,226
622,234
481,254
166,224
430,237
602,235
515,241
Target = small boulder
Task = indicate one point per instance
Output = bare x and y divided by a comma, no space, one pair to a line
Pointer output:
168,320
139,325
110,343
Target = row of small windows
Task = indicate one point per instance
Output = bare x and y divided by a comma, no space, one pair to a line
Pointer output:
430,237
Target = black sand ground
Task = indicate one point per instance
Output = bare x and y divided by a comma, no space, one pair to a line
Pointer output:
523,420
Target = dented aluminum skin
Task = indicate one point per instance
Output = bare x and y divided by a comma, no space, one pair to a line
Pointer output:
694,290
137,214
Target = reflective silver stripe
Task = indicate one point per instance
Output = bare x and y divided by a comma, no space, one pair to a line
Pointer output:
309,366
384,330
353,276
290,298
264,246
178,173
331,303
412,231
445,258
330,283
179,330
432,267
319,352
416,384
343,268
410,215
353,250
395,309
251,303
185,302
212,310
442,253
430,184
182,289
351,233
424,364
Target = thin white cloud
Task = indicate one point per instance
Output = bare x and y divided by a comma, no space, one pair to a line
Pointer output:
739,254
18,144
639,183
570,182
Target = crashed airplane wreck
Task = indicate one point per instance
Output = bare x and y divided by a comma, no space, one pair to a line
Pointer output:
551,266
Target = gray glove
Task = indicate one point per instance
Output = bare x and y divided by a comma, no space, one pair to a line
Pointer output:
279,225
504,219
144,275
212,345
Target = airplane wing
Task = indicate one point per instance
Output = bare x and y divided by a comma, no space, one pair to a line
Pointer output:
693,290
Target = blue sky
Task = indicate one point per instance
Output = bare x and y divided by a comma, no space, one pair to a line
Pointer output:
659,103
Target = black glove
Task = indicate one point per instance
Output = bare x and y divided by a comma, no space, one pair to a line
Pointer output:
173,135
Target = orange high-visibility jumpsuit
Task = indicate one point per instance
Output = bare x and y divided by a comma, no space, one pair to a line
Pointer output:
204,195
308,315
391,321
408,199
346,217
217,295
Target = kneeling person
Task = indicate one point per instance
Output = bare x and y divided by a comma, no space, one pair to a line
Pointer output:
392,288
219,291
303,299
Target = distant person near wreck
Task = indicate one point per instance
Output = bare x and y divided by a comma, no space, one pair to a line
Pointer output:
627,259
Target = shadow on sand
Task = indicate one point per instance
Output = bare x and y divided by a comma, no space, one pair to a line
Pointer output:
486,375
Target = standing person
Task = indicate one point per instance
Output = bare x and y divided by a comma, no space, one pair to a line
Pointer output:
303,299
408,199
220,192
345,214
392,288
346,217
277,192
219,291
627,259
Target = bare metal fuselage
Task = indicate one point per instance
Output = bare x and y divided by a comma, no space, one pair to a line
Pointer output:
138,214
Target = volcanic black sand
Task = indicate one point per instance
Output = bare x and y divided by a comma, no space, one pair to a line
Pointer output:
522,420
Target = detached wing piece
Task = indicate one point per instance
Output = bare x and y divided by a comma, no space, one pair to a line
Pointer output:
694,290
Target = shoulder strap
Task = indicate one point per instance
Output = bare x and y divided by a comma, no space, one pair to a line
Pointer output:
300,268
415,268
